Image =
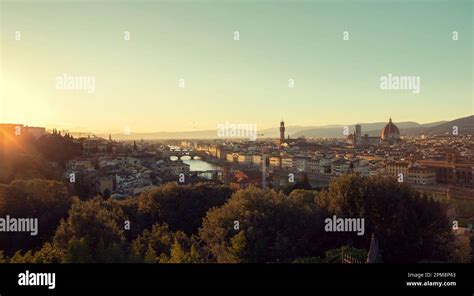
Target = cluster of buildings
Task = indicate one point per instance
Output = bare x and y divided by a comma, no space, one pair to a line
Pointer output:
125,168
122,169
442,166
436,161
389,134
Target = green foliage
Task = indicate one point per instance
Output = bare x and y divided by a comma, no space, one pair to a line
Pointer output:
19,258
150,255
275,228
48,201
237,248
398,215
196,223
177,253
461,248
78,251
180,255
465,208
152,243
92,232
26,166
58,148
163,246
2,257
21,160
181,207
48,254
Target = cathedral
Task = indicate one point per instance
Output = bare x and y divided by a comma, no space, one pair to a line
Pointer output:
389,134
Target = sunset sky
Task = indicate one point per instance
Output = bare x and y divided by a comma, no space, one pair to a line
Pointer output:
245,81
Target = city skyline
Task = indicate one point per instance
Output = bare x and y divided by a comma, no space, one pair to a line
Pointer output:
137,81
275,127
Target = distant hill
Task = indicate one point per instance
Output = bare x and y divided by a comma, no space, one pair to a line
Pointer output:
289,130
465,125
205,134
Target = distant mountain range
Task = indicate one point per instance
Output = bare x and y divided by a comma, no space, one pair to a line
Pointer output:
465,126
407,128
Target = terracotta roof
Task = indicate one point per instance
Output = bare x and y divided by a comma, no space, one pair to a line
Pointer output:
390,130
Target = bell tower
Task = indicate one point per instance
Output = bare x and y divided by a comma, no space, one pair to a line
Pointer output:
282,132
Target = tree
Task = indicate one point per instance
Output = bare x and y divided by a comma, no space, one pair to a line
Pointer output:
19,258
237,248
152,244
46,201
461,250
162,245
58,148
91,233
397,214
170,203
48,254
271,228
177,253
78,251
2,257
106,193
180,255
150,255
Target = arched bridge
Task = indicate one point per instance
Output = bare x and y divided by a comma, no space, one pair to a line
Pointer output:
190,153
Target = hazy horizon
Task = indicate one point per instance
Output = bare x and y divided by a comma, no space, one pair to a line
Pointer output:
276,126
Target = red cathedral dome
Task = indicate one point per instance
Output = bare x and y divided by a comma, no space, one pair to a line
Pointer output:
390,132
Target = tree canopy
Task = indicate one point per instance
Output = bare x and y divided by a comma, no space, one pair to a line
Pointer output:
211,223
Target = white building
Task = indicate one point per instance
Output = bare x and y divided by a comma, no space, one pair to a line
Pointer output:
421,176
301,164
288,163
312,166
339,167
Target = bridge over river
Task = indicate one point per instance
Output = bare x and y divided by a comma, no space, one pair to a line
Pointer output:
192,154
